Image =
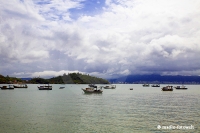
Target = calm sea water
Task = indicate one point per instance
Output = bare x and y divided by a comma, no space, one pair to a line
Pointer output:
120,110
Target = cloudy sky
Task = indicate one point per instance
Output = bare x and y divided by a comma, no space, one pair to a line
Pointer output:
105,38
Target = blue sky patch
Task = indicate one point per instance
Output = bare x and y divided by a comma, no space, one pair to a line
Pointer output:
90,7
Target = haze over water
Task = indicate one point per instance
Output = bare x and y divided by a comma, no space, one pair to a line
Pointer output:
118,110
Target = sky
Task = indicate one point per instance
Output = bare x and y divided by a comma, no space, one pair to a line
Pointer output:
103,38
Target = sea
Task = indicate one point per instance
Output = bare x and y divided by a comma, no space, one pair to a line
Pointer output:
120,110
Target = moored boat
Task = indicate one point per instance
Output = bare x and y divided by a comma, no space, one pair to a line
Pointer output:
181,87
21,86
110,87
155,85
93,89
167,88
145,85
9,87
45,87
61,87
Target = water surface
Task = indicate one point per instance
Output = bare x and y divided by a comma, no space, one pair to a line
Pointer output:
115,110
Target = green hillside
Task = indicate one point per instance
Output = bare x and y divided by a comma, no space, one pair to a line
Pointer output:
71,78
9,80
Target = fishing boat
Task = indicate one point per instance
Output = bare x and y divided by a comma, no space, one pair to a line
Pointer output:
91,85
45,87
155,85
9,87
93,89
21,86
110,87
145,85
181,87
61,87
167,88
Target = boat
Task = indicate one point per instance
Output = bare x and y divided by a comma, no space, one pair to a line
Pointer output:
110,87
155,85
91,85
145,85
9,87
45,87
167,88
93,89
21,86
181,87
61,87
131,88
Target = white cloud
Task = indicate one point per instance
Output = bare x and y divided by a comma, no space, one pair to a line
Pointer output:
127,37
52,73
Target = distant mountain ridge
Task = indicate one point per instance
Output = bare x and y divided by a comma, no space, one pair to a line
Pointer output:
156,79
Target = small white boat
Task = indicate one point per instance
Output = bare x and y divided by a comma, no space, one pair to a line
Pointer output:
21,86
110,87
45,87
155,85
93,89
145,85
181,87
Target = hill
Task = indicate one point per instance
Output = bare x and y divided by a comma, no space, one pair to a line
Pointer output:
157,79
71,78
8,80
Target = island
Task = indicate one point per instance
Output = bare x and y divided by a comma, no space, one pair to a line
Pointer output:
70,78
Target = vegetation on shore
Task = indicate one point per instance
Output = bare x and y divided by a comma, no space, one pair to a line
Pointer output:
8,80
70,78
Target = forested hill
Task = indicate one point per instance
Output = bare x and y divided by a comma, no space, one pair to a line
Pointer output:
8,80
71,78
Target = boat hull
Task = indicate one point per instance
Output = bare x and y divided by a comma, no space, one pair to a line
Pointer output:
7,88
92,91
167,89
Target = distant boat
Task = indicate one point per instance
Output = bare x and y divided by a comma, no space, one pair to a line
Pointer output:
167,88
131,88
61,87
181,87
155,85
145,85
110,87
45,87
9,87
92,89
21,86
